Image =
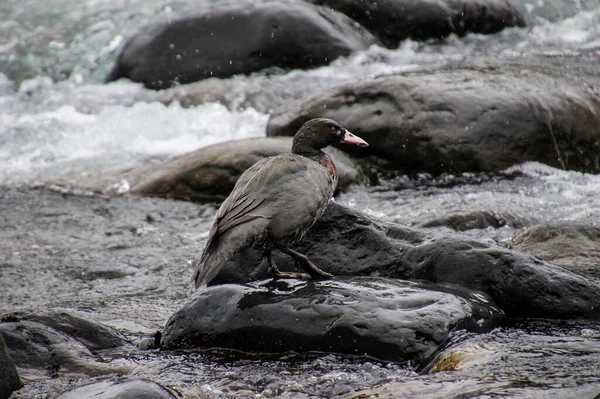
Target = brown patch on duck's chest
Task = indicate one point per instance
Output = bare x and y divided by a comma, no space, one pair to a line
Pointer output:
327,162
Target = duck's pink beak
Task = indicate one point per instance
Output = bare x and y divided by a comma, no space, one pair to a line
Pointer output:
349,138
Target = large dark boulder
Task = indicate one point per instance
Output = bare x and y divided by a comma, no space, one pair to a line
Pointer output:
395,20
382,318
347,242
461,120
574,246
9,378
235,39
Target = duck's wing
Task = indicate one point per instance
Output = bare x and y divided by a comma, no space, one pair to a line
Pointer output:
243,199
262,192
269,187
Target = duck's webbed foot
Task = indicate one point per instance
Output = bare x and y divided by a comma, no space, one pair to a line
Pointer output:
305,263
275,271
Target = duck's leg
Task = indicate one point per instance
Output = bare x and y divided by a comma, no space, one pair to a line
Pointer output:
275,271
306,264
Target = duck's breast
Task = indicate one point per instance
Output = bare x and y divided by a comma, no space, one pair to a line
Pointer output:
301,200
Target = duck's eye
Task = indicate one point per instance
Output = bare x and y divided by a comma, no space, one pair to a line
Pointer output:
333,128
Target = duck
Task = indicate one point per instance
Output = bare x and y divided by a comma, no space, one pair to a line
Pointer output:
276,201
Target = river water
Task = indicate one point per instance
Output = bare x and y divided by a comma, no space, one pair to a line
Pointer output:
57,118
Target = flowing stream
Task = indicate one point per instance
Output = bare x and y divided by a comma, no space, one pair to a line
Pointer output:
57,118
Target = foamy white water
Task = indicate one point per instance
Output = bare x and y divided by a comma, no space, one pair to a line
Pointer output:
62,120
50,134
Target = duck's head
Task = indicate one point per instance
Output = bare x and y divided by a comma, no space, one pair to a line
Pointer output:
319,133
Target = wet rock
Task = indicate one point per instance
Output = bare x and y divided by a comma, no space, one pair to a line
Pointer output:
392,21
463,355
574,246
94,336
348,242
477,220
39,348
237,39
386,319
9,378
120,389
207,174
479,119
474,386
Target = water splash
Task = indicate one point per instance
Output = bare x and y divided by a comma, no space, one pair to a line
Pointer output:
54,129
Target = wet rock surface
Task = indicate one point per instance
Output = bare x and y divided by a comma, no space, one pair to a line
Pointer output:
461,119
238,39
380,318
9,378
207,174
120,389
346,242
93,335
392,21
574,246
59,343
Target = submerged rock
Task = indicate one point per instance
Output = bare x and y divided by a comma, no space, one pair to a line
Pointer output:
207,174
392,21
58,344
463,355
381,318
477,220
120,389
460,120
237,39
9,378
347,242
93,335
574,246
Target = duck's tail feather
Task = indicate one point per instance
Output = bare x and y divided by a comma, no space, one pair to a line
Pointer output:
212,260
221,246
